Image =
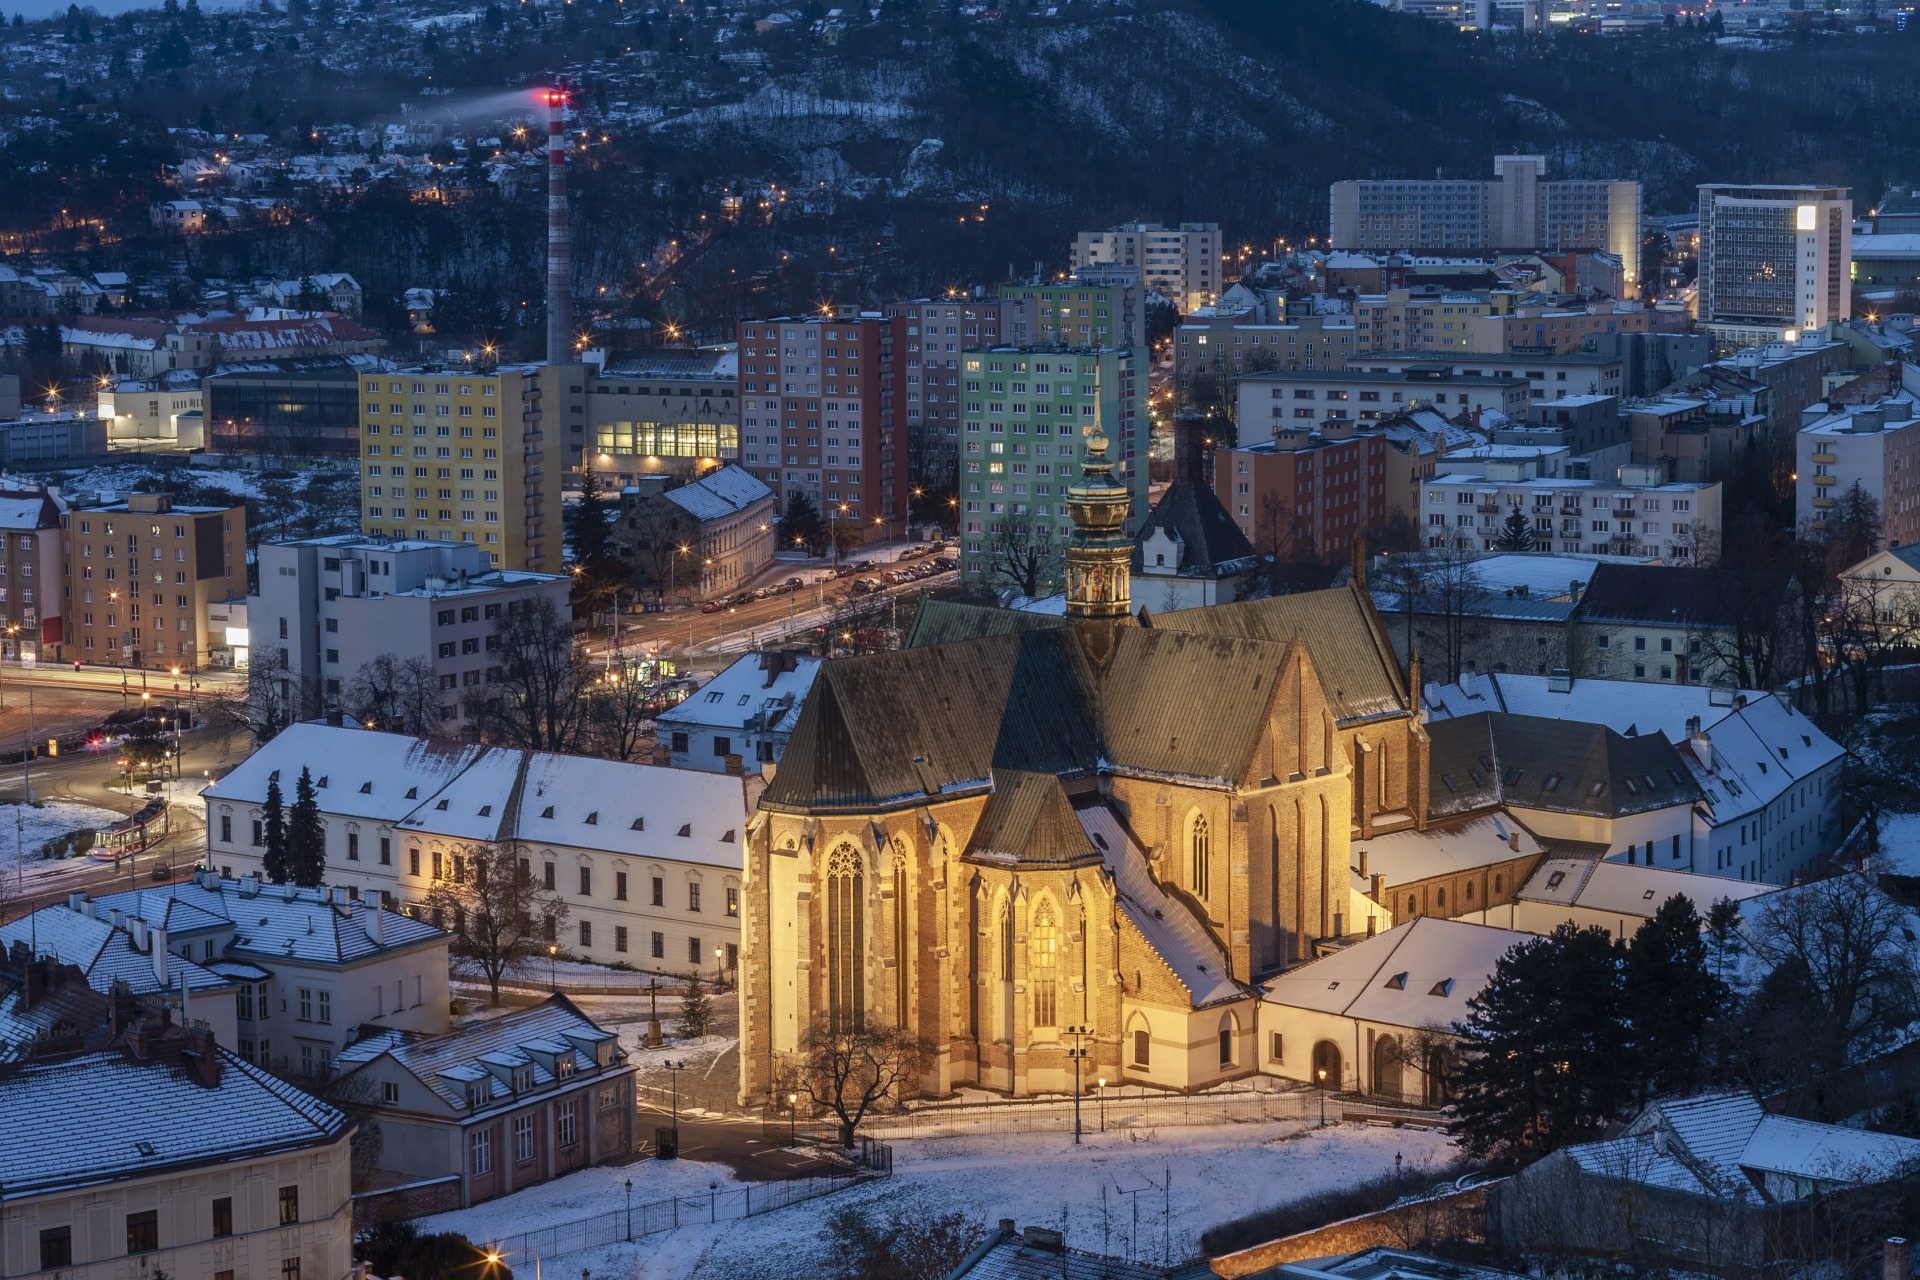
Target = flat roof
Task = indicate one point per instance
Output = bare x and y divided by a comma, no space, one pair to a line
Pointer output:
1364,375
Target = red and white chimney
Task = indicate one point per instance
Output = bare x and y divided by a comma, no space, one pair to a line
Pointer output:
559,243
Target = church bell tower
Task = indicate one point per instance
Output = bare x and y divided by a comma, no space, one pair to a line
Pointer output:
1098,557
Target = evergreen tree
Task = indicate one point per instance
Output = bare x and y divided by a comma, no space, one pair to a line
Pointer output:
1544,1059
1672,1000
801,523
1724,943
306,842
1516,534
696,1013
273,817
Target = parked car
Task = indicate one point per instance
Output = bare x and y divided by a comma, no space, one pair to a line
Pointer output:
866,586
713,606
795,583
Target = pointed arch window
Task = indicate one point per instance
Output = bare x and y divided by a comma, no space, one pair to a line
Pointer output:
1044,965
846,901
1200,846
901,950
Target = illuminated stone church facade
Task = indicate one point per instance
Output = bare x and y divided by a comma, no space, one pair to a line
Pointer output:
1019,825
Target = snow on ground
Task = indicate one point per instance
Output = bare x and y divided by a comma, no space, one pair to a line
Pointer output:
39,824
1187,1180
1899,844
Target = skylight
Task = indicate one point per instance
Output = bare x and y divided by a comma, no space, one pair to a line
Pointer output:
1398,982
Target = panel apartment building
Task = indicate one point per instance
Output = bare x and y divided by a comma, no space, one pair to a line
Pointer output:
820,413
1517,209
144,574
1182,264
471,455
1775,261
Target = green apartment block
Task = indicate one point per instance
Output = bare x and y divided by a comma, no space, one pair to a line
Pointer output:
1026,414
1094,308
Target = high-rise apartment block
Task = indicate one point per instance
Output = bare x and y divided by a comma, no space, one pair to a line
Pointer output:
1095,307
1025,418
936,331
143,574
1774,261
471,455
1180,263
820,413
1518,209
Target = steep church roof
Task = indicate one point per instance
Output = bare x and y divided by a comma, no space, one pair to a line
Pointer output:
1212,542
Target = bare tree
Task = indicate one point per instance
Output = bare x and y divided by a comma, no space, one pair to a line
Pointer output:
534,697
619,716
399,695
1290,560
500,915
1449,593
1022,555
277,696
849,1069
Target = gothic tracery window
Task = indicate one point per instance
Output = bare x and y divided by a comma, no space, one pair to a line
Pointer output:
845,909
1198,841
1044,947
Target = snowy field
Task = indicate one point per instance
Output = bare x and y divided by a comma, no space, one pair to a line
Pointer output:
1186,1181
1899,844
37,825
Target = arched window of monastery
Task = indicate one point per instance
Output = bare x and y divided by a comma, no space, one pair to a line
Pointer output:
1228,1030
901,948
1200,847
846,902
1043,942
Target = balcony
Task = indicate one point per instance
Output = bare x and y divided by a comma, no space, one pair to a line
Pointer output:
1488,508
1824,503
1825,457
1822,482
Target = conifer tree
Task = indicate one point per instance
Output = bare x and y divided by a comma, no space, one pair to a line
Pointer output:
1673,999
273,817
306,841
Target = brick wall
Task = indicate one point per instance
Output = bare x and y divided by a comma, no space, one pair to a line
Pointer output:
1460,1215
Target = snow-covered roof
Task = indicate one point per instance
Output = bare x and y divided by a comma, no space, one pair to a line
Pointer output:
471,792
1628,889
762,692
1167,924
25,511
276,921
543,1041
719,494
104,1117
1420,974
1409,855
104,953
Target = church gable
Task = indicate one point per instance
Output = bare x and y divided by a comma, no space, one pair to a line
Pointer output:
1300,739
1029,819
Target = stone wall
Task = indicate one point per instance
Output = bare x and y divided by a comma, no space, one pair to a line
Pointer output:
1459,1215
414,1200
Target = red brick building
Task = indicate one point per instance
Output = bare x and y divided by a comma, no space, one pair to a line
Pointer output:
1330,484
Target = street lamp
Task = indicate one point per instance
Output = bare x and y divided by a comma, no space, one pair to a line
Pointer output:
1103,1104
495,1258
1321,1075
674,1069
629,1210
553,966
793,1119
719,969
1077,1053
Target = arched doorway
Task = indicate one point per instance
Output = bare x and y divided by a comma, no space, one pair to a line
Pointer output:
1435,1092
1326,1064
1387,1080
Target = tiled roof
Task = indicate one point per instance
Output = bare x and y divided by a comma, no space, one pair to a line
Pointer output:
1670,596
1029,818
1479,761
104,1117
1212,541
1408,855
487,1053
275,921
1418,974
719,494
105,954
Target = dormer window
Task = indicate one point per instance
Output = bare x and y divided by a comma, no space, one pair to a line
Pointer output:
563,1066
1444,987
1398,982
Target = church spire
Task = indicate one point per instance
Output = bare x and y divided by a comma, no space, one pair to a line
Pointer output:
1098,556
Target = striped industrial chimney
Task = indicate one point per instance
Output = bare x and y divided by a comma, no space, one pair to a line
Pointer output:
559,243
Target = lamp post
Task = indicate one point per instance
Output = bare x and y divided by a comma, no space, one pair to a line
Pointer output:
793,1120
1077,1053
719,968
674,1069
495,1258
1321,1076
553,966
629,1210
1103,1104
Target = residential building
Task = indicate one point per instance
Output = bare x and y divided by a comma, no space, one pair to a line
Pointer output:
1363,1018
1519,208
1548,377
158,1152
1026,420
297,409
500,1104
1424,319
1183,264
936,331
742,718
143,575
1094,307
1681,624
712,535
1560,330
647,859
326,607
1642,514
1886,261
1777,380
1770,776
1212,347
1696,437
664,412
1866,434
33,560
1454,867
840,371
1774,261
472,455
1315,397
1704,1176
111,950
1322,487
316,969
1189,552
1651,362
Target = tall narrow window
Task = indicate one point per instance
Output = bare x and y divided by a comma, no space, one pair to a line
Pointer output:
1045,945
901,950
1200,847
845,903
